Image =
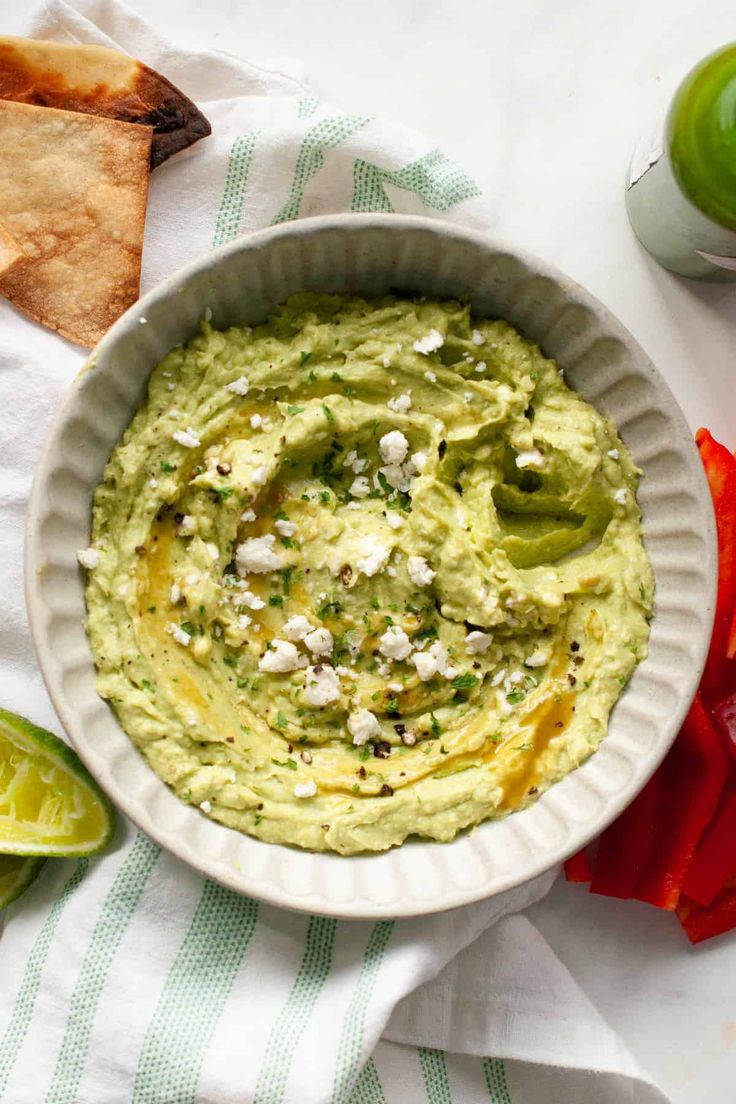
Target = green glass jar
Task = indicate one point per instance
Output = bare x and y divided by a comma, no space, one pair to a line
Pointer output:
681,193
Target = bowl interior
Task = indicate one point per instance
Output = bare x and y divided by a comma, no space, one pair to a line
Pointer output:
372,255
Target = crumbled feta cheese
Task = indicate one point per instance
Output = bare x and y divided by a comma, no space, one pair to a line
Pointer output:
322,685
175,594
394,520
394,643
477,643
374,558
186,437
477,338
296,628
360,487
238,386
384,670
305,789
531,458
251,600
353,506
142,321
192,718
387,362
89,558
257,555
428,344
248,515
467,396
418,461
192,579
285,528
425,664
394,687
393,447
400,404
213,551
319,641
620,496
613,453
362,725
480,366
259,475
431,376
439,654
153,483
391,571
243,622
187,526
256,421
539,658
283,656
178,633
420,573
206,806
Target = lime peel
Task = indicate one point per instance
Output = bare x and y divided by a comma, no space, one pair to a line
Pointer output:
16,874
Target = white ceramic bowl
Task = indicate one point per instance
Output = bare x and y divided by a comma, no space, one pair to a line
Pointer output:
369,254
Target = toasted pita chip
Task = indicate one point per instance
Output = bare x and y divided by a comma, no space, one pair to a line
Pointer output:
10,251
73,195
96,80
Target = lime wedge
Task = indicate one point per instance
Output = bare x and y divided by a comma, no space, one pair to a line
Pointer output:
49,803
16,874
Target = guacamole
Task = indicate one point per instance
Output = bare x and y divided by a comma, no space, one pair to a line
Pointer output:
365,571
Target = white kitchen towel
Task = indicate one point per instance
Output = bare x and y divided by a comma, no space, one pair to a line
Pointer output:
129,978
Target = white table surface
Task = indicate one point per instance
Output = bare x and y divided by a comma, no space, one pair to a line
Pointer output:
542,101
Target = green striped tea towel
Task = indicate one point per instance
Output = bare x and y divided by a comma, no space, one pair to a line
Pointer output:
129,979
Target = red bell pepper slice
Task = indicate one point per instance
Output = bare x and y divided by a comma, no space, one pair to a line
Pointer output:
715,860
704,922
646,852
724,716
719,677
577,867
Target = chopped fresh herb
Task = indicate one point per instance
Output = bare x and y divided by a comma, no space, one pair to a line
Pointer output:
331,606
275,600
304,357
286,573
324,496
281,721
290,763
257,819
336,377
230,661
312,377
429,632
374,603
435,729
147,685
151,609
281,515
287,542
465,681
167,467
202,609
223,492
328,413
292,410
189,627
389,620
348,391
392,706
241,683
355,788
365,753
443,750
516,696
305,498
642,592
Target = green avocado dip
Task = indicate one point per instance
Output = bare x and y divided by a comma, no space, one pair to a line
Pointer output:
366,571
